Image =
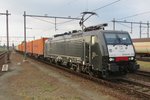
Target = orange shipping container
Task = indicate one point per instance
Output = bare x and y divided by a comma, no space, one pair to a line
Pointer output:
20,47
38,46
29,47
23,47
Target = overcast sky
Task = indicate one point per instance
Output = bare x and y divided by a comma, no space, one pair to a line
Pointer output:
40,27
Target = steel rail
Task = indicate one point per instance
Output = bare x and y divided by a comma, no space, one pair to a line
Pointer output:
2,54
143,73
137,87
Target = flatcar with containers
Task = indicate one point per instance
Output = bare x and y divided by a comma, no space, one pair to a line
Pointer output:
38,47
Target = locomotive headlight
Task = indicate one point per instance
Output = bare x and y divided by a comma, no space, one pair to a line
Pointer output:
70,60
83,63
111,59
131,58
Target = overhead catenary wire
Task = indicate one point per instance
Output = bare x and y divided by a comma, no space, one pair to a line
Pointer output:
125,25
138,14
80,16
14,37
61,23
43,20
106,5
94,10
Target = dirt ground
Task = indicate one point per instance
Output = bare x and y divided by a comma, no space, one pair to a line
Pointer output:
32,80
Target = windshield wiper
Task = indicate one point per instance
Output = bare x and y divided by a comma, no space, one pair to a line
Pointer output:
115,42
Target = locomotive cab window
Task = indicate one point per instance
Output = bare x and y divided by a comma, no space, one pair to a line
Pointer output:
117,38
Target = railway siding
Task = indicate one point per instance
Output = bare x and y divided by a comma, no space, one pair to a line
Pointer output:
3,55
143,73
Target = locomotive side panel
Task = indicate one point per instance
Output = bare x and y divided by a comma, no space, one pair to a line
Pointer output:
74,48
65,49
84,50
57,48
96,54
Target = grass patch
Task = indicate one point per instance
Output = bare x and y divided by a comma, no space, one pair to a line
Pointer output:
49,88
144,65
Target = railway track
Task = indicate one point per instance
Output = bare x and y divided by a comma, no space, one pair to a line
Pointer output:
147,59
2,57
143,73
137,87
2,60
2,54
131,87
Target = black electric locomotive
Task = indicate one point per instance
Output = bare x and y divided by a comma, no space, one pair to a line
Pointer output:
94,51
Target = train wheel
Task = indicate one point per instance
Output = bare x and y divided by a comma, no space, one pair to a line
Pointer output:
105,74
68,65
131,68
78,69
50,60
124,72
73,67
90,71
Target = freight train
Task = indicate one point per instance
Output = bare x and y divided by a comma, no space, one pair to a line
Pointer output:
142,46
94,51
